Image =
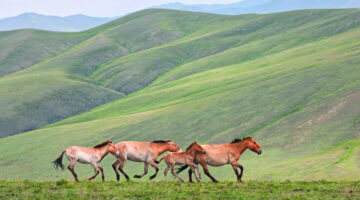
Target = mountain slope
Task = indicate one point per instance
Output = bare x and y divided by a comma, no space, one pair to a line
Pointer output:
80,55
288,79
263,6
51,23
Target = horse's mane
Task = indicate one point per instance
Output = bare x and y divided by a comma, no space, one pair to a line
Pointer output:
103,144
161,141
236,140
191,145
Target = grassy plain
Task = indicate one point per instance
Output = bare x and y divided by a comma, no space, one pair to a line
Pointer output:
173,190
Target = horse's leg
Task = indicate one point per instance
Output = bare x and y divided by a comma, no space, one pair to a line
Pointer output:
114,165
146,166
192,167
166,171
155,167
102,172
198,170
241,171
96,171
206,171
190,176
174,173
71,168
236,172
121,168
236,165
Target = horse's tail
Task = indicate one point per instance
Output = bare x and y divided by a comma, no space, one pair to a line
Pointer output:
157,162
58,161
180,169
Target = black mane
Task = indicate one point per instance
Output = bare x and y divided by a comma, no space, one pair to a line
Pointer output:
103,144
236,140
191,145
161,141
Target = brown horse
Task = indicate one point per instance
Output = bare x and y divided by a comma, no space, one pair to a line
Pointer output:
183,158
146,152
218,155
87,155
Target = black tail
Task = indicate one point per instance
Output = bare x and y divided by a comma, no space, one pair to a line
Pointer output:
180,169
58,162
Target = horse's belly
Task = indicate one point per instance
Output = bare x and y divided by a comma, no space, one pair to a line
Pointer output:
84,158
216,162
136,158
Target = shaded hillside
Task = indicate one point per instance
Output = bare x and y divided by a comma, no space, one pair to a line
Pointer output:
288,79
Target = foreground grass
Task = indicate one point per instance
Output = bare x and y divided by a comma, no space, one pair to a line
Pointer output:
174,190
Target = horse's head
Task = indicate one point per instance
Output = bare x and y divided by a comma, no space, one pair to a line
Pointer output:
173,146
254,146
199,148
113,150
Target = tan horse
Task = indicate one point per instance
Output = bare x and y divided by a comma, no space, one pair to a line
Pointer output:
183,158
146,152
218,155
87,155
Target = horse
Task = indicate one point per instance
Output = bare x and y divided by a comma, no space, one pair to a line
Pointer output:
219,155
146,152
182,158
87,155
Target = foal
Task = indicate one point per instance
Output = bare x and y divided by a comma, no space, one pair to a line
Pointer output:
87,155
183,158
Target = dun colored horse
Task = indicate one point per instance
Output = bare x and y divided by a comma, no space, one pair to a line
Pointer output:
146,152
87,155
183,158
218,155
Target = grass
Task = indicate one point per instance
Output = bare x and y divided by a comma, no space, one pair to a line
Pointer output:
63,189
288,79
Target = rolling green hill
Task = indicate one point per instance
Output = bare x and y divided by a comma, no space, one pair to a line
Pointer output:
291,80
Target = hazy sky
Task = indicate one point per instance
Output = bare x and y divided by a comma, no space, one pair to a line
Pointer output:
102,8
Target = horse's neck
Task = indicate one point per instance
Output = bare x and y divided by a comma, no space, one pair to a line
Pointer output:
103,151
191,151
241,146
161,148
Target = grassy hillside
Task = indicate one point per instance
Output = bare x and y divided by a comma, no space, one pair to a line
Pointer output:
288,79
41,104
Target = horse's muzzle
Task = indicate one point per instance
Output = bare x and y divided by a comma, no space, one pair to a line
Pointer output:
259,152
204,152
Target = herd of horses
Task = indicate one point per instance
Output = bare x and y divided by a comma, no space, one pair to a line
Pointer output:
148,152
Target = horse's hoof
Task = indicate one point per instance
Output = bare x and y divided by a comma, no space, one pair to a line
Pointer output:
137,176
152,177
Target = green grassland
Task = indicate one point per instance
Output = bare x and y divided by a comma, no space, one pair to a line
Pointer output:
290,80
171,190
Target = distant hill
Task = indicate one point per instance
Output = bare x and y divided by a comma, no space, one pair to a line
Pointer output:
51,23
263,6
289,79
